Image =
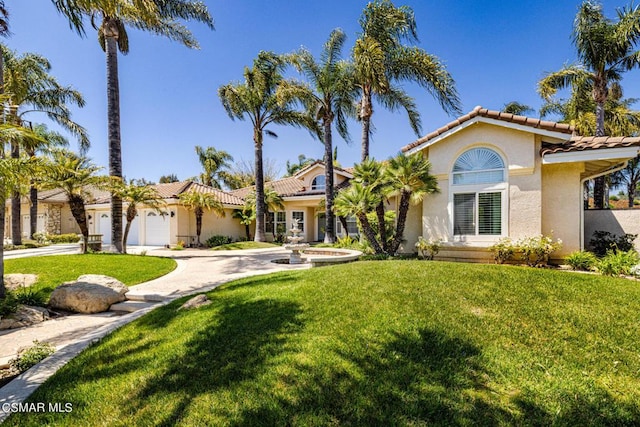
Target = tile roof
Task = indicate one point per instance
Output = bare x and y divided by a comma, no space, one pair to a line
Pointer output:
582,143
284,187
493,114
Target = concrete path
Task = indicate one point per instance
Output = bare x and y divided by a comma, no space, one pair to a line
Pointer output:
66,249
197,271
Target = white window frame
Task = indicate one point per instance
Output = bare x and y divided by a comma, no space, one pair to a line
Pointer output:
496,187
301,223
316,187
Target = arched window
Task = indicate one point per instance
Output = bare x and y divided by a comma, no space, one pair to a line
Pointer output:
479,193
478,166
318,183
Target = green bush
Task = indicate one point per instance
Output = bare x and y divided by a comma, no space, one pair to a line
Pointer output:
347,242
63,238
428,248
581,260
536,250
503,250
218,240
604,241
617,263
8,305
31,356
614,198
29,296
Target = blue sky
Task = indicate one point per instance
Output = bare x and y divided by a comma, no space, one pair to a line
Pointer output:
495,50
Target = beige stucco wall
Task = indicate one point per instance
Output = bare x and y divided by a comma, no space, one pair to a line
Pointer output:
308,177
618,222
520,152
562,204
64,224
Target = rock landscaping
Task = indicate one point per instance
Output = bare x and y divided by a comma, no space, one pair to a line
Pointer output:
24,316
91,293
16,280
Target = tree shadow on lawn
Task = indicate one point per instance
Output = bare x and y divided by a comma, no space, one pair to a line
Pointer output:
430,379
238,348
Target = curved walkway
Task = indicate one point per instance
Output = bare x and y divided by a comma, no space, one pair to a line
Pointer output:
197,271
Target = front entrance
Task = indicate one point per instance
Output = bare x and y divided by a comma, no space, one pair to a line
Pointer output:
322,225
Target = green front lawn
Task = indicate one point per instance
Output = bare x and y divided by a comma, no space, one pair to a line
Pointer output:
244,245
55,270
370,343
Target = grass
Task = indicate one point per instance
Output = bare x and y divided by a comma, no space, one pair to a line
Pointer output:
244,245
370,343
55,270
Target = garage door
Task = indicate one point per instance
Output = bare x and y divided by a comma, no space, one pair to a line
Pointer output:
105,229
156,229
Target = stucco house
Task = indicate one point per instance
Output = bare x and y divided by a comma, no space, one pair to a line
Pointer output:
506,175
303,197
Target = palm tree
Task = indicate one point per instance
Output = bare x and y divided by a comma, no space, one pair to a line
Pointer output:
410,179
246,216
52,139
358,200
516,108
31,89
333,98
198,202
380,59
75,175
370,173
136,194
213,164
265,98
110,18
606,49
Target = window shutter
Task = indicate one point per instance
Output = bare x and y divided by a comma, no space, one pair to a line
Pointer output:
464,206
489,213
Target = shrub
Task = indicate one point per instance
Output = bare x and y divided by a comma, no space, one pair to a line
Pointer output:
218,240
64,238
604,241
41,237
347,242
29,296
8,305
616,263
31,356
536,250
581,260
503,250
614,198
428,248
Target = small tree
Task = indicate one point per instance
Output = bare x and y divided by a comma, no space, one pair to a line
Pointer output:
136,194
246,215
198,202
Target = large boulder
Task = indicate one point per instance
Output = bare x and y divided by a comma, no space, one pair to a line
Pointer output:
91,293
17,280
24,316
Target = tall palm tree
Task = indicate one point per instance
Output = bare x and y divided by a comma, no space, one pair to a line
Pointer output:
135,194
265,98
111,19
213,164
333,99
31,89
381,59
198,202
75,175
410,179
606,49
52,139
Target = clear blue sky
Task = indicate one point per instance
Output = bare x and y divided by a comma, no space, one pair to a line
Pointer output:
496,51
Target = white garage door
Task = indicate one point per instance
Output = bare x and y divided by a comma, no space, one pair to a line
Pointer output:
105,229
156,229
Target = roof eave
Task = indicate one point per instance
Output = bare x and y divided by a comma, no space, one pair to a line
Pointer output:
620,153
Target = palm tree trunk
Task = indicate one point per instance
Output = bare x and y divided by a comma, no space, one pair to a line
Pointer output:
330,218
16,234
600,96
366,111
113,118
343,221
131,215
403,209
3,291
247,231
369,234
33,210
76,203
260,209
631,193
199,213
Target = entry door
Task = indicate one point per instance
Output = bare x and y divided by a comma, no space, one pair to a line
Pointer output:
105,228
322,225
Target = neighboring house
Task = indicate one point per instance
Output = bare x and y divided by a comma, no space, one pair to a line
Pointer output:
175,222
303,199
502,175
